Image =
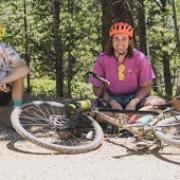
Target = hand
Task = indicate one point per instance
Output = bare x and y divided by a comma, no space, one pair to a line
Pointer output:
4,88
115,104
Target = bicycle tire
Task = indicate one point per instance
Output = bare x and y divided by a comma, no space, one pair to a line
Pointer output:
163,136
17,118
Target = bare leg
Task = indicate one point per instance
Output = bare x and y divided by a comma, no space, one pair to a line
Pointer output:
17,90
154,100
151,101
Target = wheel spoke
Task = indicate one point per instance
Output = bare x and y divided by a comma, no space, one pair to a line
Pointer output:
46,124
169,130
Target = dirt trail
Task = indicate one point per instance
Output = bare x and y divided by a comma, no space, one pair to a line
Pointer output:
20,160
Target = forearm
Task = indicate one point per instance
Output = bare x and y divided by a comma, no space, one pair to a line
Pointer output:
141,94
18,73
98,92
113,103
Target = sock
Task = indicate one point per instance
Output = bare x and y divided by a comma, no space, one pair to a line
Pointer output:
17,103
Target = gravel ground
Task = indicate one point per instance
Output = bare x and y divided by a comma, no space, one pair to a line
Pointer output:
21,160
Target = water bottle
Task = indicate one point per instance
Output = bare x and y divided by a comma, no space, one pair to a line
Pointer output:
81,104
145,119
74,108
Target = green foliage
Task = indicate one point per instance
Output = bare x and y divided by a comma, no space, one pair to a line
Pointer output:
161,39
43,86
80,32
82,90
84,27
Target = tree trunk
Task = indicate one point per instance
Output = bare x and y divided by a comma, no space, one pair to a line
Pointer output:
176,26
142,28
178,84
106,19
57,47
167,75
71,58
26,55
71,63
165,56
166,68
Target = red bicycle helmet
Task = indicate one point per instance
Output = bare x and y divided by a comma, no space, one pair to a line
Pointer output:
121,28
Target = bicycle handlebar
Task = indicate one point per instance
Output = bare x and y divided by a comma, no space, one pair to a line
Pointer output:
103,80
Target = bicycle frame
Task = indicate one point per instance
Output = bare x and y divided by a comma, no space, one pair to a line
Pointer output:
100,113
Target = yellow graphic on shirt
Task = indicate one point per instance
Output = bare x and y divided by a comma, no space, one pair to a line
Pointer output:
121,70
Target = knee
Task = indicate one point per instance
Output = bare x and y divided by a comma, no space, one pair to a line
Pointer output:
154,100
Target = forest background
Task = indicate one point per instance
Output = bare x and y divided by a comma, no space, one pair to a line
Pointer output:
60,39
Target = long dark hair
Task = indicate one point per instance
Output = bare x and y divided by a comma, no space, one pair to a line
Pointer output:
110,50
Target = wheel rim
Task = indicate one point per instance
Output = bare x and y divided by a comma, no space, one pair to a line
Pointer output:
169,130
40,121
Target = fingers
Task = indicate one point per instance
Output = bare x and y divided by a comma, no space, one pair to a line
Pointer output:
4,88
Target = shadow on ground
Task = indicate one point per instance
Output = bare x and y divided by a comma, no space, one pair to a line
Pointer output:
9,135
166,154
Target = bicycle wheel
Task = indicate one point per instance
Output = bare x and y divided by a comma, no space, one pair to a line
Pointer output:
168,130
44,123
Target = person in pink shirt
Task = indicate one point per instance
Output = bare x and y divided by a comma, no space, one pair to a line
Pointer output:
128,71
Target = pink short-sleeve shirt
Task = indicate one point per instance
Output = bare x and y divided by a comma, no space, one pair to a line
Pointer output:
126,77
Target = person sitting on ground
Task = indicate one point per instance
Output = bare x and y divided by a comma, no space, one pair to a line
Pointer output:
12,72
127,69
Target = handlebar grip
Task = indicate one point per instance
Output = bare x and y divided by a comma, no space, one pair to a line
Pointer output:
103,80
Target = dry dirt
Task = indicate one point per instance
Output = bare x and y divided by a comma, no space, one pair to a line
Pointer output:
21,160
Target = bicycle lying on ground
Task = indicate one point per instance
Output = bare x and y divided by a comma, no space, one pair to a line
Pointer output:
60,127
150,131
